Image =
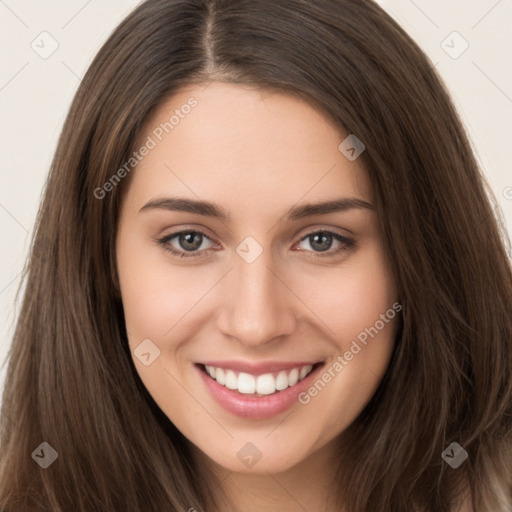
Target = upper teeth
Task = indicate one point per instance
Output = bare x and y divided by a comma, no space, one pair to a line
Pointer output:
262,384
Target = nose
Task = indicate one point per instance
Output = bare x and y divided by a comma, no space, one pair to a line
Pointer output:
257,306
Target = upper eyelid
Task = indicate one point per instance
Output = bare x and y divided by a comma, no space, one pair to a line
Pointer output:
170,236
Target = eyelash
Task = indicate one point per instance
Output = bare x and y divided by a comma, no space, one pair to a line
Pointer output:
347,244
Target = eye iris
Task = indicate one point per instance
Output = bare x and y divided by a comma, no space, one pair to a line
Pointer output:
190,241
321,241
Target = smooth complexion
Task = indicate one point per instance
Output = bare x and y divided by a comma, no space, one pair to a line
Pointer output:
256,155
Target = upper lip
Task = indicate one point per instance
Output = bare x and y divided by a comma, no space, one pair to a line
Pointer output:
260,368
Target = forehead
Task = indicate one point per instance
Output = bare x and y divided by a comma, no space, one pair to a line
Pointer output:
246,147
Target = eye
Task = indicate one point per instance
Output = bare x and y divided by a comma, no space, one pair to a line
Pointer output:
186,244
320,243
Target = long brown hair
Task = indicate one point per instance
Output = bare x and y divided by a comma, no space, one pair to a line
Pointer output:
71,381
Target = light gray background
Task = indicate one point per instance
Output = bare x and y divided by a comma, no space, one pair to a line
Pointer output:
35,94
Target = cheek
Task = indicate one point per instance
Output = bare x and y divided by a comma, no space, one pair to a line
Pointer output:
155,295
351,297
358,304
156,299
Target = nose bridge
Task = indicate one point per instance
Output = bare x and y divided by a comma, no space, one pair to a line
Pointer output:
257,307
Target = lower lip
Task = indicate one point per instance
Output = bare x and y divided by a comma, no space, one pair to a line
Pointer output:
253,407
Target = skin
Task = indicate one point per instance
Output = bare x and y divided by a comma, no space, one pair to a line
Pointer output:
257,154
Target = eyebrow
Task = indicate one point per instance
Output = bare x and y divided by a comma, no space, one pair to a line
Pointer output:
216,211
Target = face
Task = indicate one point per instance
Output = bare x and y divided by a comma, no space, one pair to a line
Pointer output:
260,308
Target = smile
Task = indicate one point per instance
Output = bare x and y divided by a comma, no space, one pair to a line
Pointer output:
259,385
256,391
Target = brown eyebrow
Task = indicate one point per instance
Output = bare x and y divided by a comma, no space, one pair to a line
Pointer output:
335,206
208,209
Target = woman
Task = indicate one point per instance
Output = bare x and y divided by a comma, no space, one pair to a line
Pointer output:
266,276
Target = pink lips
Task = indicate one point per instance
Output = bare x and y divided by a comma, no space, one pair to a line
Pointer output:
250,406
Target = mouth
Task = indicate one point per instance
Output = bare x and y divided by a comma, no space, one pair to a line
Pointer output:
257,391
259,385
